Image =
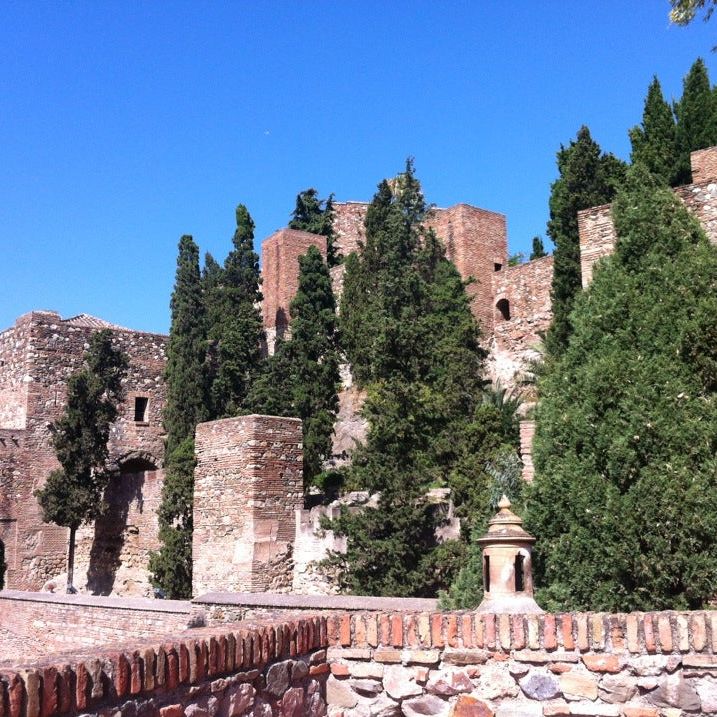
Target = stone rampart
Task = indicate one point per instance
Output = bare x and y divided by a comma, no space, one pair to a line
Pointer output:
252,669
280,277
33,625
521,314
37,356
597,231
400,660
473,664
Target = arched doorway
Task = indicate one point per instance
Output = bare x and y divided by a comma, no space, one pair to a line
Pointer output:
127,530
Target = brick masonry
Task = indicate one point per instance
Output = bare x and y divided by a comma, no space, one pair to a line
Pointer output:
37,356
280,277
597,232
247,488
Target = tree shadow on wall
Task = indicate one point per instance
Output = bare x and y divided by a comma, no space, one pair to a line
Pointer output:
111,528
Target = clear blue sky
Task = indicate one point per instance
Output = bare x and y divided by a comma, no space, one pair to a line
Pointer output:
126,124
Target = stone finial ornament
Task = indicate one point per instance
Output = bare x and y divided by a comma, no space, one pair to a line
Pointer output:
507,566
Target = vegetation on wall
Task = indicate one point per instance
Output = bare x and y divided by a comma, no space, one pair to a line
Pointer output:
171,566
73,494
588,178
624,503
302,377
412,343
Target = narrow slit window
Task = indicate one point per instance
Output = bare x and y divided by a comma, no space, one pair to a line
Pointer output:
140,409
519,578
486,573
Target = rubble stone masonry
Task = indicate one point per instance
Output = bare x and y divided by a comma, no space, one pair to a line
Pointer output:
597,232
247,488
389,663
37,356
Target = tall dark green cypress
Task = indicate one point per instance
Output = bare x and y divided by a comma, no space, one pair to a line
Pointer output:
302,377
413,345
235,327
696,114
588,178
315,215
624,502
653,141
538,249
171,566
315,359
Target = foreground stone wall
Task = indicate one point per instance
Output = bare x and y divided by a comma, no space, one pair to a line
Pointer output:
33,625
263,670
402,661
473,664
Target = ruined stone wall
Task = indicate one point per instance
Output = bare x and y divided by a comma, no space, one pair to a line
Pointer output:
349,231
522,313
280,277
14,350
389,663
275,669
247,488
597,231
54,348
33,625
470,664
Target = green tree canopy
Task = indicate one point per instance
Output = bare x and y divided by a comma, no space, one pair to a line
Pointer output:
171,566
588,178
235,328
624,503
653,141
696,114
302,377
412,343
315,215
538,250
72,495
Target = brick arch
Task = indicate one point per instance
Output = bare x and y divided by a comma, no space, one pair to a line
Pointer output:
147,460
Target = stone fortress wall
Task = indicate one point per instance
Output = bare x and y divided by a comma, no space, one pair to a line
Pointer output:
39,353
37,356
386,661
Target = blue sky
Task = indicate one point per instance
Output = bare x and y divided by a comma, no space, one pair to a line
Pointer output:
126,124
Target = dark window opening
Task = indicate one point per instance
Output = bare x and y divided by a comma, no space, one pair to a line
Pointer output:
486,573
519,577
497,266
140,409
504,307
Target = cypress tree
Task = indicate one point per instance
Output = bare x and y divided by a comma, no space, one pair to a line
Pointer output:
624,503
171,566
413,345
72,495
696,114
315,215
538,250
235,327
315,360
588,178
302,377
653,141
